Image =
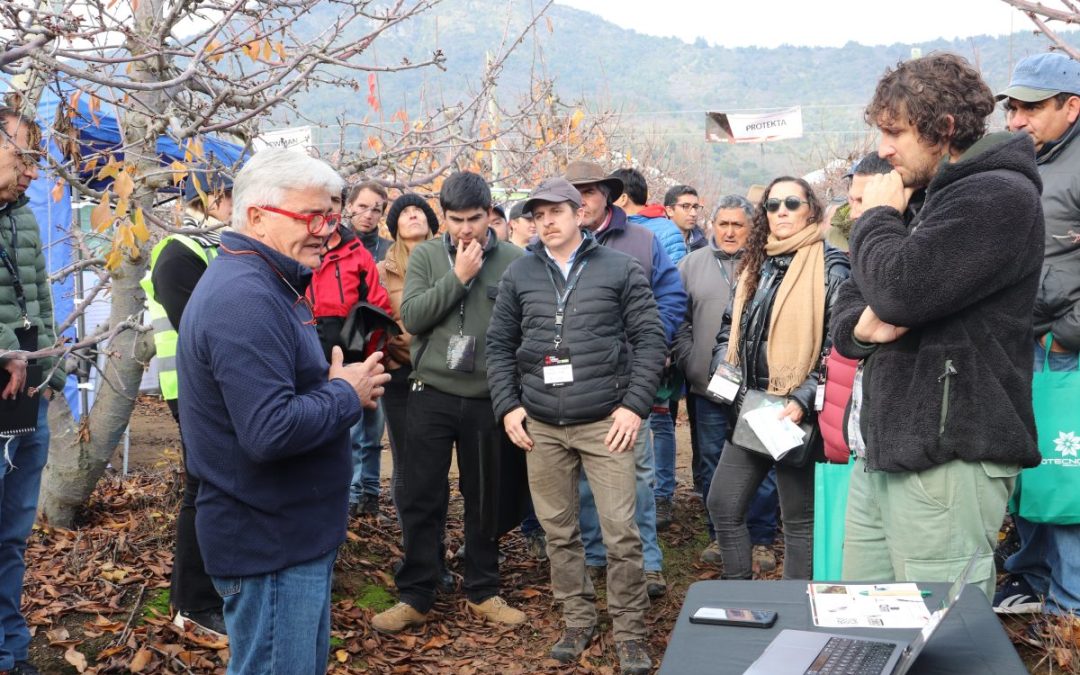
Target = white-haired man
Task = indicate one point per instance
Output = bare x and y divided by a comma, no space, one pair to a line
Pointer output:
266,421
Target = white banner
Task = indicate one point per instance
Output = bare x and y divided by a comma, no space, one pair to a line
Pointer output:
775,125
292,138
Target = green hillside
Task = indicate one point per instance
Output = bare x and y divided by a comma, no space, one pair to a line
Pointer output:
658,84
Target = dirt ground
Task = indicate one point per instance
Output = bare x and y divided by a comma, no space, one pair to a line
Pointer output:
98,596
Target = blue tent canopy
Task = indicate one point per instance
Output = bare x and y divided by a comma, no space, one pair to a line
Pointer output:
97,131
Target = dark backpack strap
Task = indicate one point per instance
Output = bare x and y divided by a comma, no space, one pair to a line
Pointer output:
13,270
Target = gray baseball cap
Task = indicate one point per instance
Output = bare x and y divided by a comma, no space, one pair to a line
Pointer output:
518,211
553,190
1037,78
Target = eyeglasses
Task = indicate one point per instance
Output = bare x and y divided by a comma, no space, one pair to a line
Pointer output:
790,203
315,222
690,206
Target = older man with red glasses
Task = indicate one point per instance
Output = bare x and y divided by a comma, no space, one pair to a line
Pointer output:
266,419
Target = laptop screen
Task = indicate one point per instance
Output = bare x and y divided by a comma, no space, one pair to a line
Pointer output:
912,651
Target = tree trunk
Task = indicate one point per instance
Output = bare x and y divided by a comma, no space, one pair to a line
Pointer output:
78,455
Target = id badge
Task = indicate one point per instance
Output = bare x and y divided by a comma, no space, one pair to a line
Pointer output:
558,371
725,383
819,398
461,353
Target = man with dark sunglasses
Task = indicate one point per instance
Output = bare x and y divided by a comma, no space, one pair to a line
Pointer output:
945,266
266,418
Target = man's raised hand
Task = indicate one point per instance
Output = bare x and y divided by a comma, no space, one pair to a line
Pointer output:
468,261
366,378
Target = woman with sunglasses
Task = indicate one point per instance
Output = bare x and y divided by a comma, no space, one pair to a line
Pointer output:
773,335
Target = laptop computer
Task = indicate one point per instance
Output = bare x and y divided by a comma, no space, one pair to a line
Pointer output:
800,652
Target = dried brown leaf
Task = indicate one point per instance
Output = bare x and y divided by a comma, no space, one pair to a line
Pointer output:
140,661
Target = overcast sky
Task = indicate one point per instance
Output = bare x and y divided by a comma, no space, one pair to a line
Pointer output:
827,23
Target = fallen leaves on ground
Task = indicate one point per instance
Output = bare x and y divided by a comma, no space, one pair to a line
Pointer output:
87,593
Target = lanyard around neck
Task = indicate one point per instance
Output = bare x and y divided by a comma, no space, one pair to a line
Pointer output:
561,298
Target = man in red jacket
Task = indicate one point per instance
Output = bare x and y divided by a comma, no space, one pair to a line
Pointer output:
347,277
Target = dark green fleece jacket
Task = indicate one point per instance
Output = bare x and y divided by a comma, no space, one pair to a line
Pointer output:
430,310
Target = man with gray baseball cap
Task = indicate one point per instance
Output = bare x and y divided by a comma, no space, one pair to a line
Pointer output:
608,224
1043,99
574,350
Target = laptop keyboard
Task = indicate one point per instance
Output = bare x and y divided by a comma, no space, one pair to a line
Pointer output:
841,656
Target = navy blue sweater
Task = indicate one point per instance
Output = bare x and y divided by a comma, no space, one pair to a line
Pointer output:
266,432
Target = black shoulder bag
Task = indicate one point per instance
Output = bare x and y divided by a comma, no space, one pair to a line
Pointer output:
18,416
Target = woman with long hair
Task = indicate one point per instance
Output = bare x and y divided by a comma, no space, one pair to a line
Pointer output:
773,334
410,221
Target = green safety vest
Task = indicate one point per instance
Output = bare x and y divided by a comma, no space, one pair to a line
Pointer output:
164,332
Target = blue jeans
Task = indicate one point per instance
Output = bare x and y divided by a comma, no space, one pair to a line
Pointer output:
367,454
19,487
712,426
644,513
279,623
662,429
1049,555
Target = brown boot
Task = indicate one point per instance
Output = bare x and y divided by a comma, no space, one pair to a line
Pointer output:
496,610
398,618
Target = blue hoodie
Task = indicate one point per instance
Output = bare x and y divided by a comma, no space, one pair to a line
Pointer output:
266,433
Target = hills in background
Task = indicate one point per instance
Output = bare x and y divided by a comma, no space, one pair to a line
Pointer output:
660,87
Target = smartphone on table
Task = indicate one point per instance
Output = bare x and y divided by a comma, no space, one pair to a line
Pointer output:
727,616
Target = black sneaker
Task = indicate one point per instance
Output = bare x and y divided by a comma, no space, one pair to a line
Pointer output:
1016,596
633,659
655,584
24,668
210,621
572,643
664,514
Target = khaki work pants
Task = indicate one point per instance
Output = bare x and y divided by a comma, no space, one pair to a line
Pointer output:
555,463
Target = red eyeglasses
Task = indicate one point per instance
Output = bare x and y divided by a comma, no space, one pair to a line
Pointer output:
315,222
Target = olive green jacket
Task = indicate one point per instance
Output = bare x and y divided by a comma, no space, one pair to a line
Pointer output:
23,246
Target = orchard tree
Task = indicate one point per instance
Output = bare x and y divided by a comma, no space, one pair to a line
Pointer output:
188,69
1049,17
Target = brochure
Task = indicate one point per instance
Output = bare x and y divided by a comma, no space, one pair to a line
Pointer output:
779,436
868,605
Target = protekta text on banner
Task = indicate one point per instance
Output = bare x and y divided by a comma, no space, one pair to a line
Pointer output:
774,125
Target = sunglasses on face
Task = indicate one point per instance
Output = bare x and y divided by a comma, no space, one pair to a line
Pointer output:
792,203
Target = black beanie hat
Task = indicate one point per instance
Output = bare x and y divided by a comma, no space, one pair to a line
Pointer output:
410,199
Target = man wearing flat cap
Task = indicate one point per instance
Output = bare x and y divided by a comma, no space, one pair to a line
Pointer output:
608,224
1043,99
575,348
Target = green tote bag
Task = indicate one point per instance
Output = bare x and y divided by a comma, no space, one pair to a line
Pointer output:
1050,492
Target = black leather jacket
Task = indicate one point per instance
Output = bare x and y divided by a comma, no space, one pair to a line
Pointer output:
755,328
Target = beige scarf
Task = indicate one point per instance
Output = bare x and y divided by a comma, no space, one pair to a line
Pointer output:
797,323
